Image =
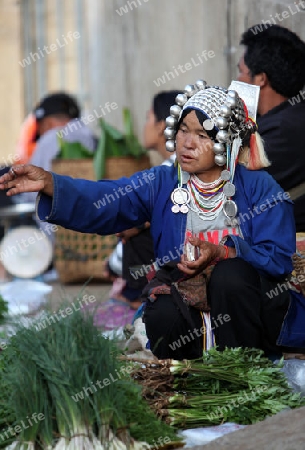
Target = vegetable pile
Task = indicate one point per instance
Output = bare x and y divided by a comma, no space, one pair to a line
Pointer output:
236,385
63,387
112,143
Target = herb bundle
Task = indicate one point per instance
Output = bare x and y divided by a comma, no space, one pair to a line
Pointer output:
70,378
236,385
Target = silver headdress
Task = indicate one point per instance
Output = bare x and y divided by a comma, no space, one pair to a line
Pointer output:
226,113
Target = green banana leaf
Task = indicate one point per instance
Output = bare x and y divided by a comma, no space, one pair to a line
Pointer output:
128,126
99,157
72,150
112,143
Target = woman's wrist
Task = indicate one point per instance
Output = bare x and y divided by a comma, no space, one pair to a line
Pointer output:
224,252
144,226
48,188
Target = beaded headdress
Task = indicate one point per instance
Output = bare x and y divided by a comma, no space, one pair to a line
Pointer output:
226,121
226,114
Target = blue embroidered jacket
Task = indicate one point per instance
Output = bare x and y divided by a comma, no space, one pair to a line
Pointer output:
265,213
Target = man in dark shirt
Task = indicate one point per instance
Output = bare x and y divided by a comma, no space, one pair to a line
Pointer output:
274,59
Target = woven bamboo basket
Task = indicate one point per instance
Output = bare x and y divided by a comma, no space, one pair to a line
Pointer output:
299,261
79,256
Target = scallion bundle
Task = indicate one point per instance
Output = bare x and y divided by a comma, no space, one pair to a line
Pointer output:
70,375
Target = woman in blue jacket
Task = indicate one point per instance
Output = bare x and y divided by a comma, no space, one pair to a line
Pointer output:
223,230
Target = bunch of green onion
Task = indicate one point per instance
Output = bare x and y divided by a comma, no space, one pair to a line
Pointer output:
42,371
236,385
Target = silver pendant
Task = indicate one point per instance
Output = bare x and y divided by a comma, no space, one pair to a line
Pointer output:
230,209
225,175
208,125
231,222
229,189
175,209
180,197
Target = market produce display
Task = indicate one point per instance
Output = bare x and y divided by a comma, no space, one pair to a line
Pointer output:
236,385
67,386
63,387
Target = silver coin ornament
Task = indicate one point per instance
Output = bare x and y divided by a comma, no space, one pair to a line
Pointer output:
170,146
181,99
231,222
218,148
175,209
200,84
184,209
230,209
169,133
180,196
225,175
220,160
208,125
225,111
171,122
222,122
175,110
222,136
229,189
232,102
189,90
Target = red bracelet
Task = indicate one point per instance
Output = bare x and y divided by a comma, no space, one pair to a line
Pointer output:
227,252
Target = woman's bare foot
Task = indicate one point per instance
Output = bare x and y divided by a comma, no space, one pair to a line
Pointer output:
133,305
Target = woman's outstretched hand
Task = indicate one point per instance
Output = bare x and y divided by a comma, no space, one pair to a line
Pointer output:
27,178
208,253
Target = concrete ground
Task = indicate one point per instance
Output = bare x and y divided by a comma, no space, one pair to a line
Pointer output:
284,431
62,292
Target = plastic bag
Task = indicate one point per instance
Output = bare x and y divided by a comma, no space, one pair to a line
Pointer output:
294,370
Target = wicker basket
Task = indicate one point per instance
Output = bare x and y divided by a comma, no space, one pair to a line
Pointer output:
125,166
299,261
79,256
116,168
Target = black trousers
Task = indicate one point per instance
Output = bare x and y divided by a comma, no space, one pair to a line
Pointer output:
138,252
242,314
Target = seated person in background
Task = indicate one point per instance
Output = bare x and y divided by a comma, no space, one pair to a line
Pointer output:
215,207
58,114
27,139
274,59
138,253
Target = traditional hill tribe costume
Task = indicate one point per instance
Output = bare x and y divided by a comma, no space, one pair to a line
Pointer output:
245,209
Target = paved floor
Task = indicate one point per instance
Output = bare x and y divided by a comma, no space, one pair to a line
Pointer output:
63,292
69,292
284,431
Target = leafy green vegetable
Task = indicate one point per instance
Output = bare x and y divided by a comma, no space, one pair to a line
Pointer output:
73,150
3,309
237,385
70,373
